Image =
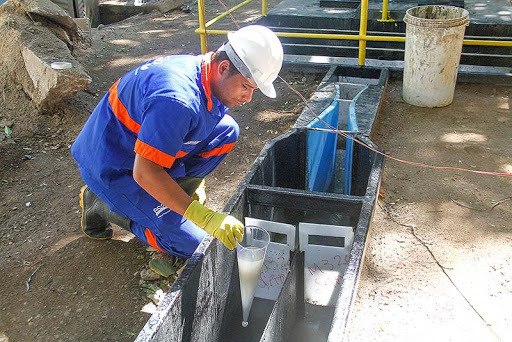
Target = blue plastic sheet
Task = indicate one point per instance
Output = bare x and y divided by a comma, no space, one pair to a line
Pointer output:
322,149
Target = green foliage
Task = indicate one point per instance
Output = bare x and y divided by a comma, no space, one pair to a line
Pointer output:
162,267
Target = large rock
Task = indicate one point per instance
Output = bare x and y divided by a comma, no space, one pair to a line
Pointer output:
51,86
37,33
46,9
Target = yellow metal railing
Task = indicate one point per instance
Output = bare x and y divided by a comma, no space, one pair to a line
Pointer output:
362,37
203,26
386,15
363,23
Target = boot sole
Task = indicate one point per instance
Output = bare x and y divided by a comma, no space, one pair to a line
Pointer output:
81,203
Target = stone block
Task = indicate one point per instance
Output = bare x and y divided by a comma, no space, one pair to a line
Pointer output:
51,86
48,10
83,24
33,42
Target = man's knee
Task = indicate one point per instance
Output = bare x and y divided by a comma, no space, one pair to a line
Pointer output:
229,128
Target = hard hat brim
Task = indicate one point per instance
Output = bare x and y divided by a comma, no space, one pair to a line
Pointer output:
268,90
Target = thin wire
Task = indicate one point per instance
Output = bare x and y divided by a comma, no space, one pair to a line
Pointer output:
230,14
347,136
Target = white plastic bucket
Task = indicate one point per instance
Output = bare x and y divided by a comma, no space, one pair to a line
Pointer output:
433,45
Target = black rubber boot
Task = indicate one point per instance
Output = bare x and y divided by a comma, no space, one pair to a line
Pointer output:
96,216
121,221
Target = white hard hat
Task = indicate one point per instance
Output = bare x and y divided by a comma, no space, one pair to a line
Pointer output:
258,55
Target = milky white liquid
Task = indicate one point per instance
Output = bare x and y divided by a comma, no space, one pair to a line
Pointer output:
249,271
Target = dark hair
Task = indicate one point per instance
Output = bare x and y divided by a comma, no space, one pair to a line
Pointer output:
219,56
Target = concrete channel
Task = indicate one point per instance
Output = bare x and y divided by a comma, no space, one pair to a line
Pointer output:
204,303
308,177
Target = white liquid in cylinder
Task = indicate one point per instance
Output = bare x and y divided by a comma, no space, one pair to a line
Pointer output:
249,271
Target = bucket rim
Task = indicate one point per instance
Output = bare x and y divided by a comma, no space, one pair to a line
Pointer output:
437,23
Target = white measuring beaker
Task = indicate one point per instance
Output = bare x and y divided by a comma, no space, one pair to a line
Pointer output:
250,255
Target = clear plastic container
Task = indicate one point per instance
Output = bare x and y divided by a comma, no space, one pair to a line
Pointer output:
250,255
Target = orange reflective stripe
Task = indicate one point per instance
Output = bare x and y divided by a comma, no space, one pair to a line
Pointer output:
151,238
120,110
153,154
181,154
217,151
206,77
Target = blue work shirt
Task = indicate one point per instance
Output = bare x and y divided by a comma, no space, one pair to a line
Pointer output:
158,110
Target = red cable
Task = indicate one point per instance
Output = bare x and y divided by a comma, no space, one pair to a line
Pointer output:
499,174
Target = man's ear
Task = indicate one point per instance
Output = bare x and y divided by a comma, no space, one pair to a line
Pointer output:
223,68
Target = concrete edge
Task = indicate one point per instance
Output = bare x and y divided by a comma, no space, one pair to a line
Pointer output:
466,74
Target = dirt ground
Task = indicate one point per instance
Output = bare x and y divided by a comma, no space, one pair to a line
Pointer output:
439,253
446,279
58,285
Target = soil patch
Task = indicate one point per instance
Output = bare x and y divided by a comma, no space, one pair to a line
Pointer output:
437,265
79,289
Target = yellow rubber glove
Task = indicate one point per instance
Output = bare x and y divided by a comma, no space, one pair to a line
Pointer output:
223,227
194,187
200,193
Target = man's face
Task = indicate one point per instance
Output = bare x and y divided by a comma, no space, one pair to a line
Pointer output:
232,90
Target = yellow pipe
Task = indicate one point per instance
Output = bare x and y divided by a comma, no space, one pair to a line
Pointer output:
362,31
367,38
294,35
214,20
385,38
202,36
384,10
487,42
385,17
362,37
339,36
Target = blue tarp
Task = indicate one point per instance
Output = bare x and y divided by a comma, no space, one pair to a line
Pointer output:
322,148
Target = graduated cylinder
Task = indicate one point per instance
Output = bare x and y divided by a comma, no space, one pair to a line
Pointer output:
433,45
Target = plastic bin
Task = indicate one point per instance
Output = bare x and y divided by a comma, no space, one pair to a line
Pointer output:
433,45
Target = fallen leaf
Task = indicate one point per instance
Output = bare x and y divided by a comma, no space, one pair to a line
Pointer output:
162,267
